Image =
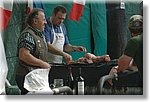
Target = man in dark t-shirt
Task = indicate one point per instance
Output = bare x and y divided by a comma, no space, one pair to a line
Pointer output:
134,48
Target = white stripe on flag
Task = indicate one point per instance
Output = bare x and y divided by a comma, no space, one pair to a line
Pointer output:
5,11
30,6
82,2
3,67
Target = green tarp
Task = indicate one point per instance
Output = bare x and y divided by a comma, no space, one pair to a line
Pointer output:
99,27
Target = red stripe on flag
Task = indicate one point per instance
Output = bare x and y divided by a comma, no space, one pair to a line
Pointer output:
30,6
5,18
76,11
28,10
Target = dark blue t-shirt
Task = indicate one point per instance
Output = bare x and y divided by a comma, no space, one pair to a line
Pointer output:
49,34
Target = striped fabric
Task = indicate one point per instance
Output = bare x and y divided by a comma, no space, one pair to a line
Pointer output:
27,41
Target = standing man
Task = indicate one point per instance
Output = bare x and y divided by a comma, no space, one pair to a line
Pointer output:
134,48
56,34
32,48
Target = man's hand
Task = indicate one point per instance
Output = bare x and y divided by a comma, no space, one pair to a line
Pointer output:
67,57
44,65
112,71
107,58
79,49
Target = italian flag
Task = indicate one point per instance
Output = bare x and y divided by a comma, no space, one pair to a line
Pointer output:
30,6
5,13
76,10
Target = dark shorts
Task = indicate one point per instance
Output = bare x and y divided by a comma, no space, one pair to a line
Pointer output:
20,83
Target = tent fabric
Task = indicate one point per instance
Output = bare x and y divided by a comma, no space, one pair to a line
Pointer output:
132,8
99,27
116,34
38,4
116,30
11,34
79,32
